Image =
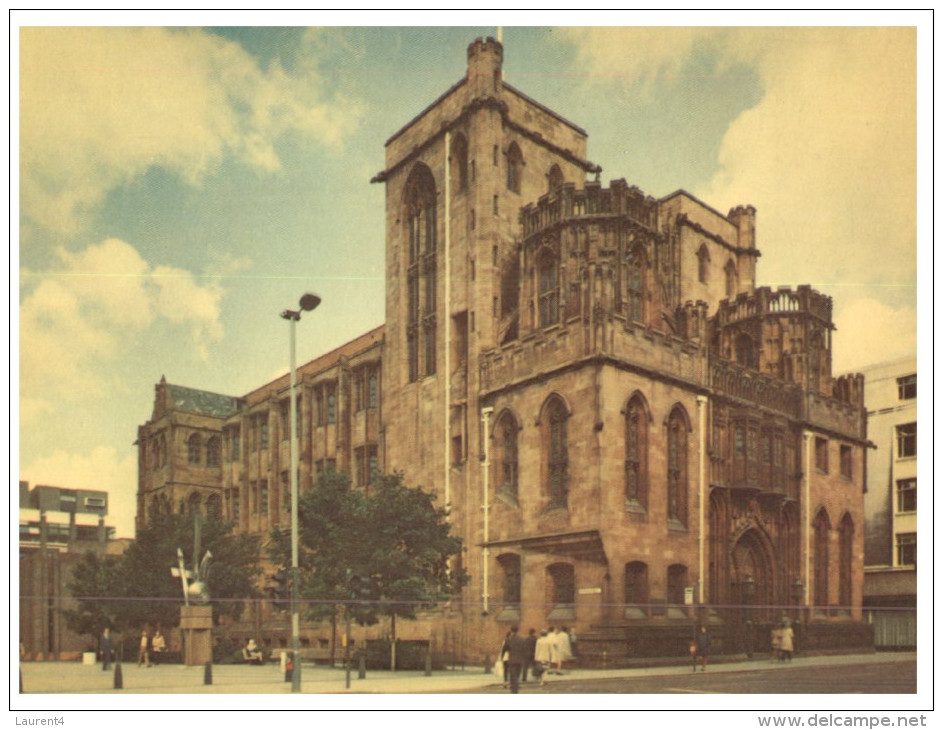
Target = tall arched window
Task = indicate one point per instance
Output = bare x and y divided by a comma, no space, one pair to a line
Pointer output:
821,528
213,451
730,272
515,162
556,450
635,286
505,433
459,163
746,353
678,466
677,580
636,453
636,590
703,263
511,567
420,216
548,288
194,446
846,543
554,178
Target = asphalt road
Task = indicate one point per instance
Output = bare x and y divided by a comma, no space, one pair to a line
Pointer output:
877,678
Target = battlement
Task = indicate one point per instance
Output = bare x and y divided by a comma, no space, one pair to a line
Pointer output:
763,301
570,202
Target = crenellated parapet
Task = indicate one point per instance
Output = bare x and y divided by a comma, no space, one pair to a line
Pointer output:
743,384
784,300
569,203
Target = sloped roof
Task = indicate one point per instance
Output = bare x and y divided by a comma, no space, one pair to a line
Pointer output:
201,401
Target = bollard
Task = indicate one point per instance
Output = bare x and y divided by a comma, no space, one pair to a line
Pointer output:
208,673
428,664
362,669
119,680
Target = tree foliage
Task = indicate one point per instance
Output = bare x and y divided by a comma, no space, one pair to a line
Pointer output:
137,588
393,537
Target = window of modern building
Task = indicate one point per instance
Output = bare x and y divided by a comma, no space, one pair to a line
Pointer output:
506,430
821,455
636,454
846,460
556,448
194,446
331,406
906,440
515,162
549,289
213,451
907,548
373,389
907,387
907,495
678,466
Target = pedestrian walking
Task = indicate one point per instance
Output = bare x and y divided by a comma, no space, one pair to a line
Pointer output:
543,655
703,642
517,652
787,637
144,649
159,645
776,638
104,648
504,656
530,647
561,643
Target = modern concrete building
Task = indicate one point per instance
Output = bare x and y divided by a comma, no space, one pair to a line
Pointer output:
630,434
57,527
890,548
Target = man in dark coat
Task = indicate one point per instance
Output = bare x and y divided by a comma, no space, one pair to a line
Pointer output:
530,647
517,651
104,648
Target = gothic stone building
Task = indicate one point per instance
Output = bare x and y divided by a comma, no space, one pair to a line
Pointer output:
630,435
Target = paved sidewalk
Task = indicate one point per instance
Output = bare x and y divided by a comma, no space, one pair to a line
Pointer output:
73,677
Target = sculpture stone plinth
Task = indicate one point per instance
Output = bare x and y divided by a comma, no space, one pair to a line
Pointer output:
196,622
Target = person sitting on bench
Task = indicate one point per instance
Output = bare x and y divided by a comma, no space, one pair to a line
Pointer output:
252,654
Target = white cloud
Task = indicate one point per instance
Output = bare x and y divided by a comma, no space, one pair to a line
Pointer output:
870,331
103,469
94,308
99,106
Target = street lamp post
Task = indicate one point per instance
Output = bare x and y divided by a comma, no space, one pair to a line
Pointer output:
307,303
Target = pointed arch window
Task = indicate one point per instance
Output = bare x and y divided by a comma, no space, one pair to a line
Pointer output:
420,203
703,263
548,289
554,178
636,454
459,163
515,162
556,451
635,286
194,445
506,431
730,274
821,528
511,567
678,466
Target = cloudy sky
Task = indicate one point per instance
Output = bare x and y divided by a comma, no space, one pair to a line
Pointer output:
179,187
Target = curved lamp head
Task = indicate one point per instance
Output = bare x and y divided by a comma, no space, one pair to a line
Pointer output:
309,302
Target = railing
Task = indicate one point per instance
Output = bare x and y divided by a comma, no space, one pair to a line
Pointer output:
734,380
764,300
568,202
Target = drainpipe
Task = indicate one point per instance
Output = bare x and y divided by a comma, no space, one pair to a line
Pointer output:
807,519
702,491
448,331
486,472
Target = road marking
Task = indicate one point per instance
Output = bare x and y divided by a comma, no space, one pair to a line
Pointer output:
693,691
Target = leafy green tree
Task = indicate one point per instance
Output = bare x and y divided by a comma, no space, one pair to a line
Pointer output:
137,588
393,537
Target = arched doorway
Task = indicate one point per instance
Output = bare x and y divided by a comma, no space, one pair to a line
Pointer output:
752,577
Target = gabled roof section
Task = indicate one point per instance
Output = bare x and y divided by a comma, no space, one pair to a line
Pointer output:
201,401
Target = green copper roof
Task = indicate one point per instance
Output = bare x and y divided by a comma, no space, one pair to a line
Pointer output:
200,401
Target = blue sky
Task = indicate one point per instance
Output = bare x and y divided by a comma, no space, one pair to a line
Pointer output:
179,187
